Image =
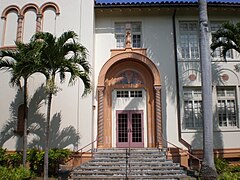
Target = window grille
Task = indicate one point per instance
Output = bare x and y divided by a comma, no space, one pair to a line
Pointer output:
192,108
189,43
226,107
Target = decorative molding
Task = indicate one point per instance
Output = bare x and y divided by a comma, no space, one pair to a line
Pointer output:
225,77
49,4
100,90
130,55
129,77
9,9
158,113
192,77
21,12
20,28
30,6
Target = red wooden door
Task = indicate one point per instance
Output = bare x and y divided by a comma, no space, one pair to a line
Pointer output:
130,128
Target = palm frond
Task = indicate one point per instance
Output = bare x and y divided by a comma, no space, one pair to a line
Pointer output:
227,37
65,37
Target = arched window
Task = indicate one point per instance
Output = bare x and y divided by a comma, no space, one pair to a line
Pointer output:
129,77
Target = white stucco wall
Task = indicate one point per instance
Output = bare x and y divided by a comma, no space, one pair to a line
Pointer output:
157,37
75,111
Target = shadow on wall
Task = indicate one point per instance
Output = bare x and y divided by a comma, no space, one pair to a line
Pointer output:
197,143
59,138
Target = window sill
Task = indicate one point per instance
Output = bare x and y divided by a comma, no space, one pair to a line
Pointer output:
220,129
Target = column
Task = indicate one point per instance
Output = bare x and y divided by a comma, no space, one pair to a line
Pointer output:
38,23
20,28
100,116
158,110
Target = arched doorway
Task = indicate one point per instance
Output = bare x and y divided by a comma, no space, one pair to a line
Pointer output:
129,102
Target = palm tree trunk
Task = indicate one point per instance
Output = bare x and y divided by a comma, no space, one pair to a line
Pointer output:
47,136
208,170
25,123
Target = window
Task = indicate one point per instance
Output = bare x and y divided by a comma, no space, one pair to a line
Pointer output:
192,108
121,94
132,94
120,34
135,93
189,44
214,26
226,107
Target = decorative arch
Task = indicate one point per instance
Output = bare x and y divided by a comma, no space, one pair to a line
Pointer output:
134,56
50,4
108,81
29,6
9,9
6,11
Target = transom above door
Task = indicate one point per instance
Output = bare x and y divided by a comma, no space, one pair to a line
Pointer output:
129,128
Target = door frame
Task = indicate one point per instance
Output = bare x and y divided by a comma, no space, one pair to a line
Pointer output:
130,144
135,59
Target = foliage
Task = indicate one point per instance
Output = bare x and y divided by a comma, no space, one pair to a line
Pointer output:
35,159
221,165
21,62
3,159
56,157
10,160
19,173
227,37
226,171
63,55
14,159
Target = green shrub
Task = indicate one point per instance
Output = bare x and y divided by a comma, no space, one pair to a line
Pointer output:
19,173
55,157
3,158
221,165
226,171
35,158
14,159
228,176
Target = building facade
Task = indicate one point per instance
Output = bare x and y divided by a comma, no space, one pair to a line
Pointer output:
146,76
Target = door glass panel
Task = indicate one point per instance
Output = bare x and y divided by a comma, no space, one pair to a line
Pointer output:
136,128
122,127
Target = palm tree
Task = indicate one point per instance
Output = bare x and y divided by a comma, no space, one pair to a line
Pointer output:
227,38
21,63
60,56
208,170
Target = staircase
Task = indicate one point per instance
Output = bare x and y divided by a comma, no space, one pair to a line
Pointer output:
134,164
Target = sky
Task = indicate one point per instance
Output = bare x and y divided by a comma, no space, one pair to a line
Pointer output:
125,1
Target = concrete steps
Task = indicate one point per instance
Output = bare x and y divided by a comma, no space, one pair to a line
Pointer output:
144,163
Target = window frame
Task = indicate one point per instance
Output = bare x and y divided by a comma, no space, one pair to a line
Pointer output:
128,26
196,110
226,99
189,56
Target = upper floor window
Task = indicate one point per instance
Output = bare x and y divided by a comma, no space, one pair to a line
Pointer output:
192,108
226,107
121,30
189,43
214,26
